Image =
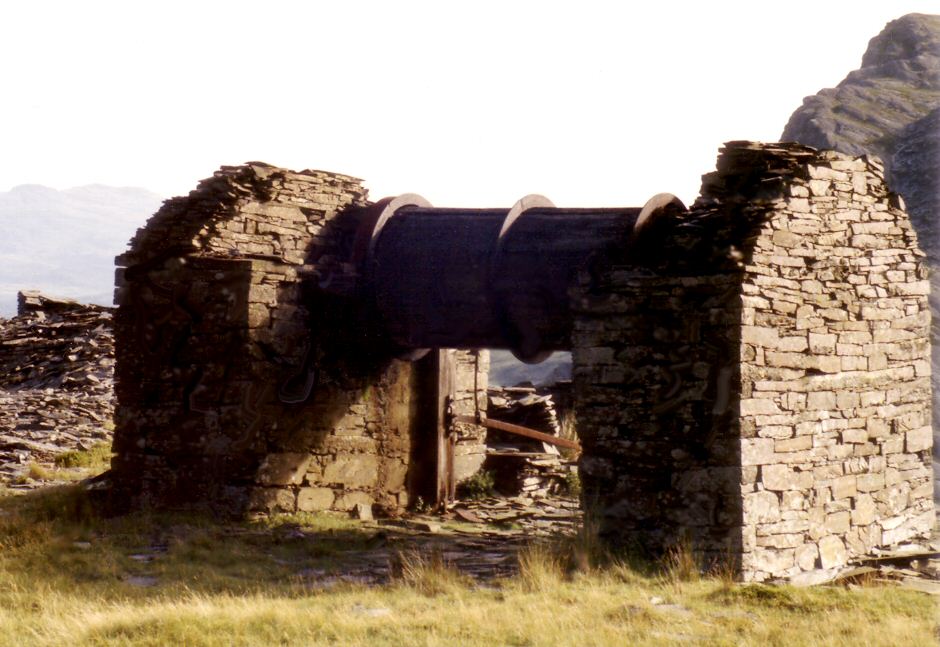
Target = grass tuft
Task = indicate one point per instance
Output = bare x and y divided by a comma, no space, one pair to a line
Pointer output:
96,458
680,563
429,574
542,567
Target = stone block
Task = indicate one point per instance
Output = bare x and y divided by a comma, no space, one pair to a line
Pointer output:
759,406
855,436
793,500
781,477
822,343
780,541
761,507
773,562
760,336
395,471
845,487
352,470
832,553
286,468
806,556
826,173
792,344
259,315
838,522
870,482
315,499
816,518
757,451
854,363
269,500
349,500
918,440
821,400
793,444
863,510
846,400
877,428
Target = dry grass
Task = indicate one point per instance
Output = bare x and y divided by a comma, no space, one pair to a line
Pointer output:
70,466
66,578
97,458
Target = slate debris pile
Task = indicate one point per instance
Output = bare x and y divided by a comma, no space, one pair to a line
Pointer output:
56,381
522,465
545,516
521,405
914,566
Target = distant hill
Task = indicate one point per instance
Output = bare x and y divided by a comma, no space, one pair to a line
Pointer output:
64,242
890,107
506,370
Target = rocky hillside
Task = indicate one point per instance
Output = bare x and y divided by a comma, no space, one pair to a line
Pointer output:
890,107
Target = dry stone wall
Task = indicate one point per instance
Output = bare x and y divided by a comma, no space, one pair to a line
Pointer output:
751,376
761,386
241,385
473,368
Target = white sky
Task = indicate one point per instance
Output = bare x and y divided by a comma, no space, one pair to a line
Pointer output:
474,103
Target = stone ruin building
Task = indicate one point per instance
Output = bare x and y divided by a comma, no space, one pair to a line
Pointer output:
751,375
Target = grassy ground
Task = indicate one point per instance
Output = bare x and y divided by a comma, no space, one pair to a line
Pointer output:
71,465
68,577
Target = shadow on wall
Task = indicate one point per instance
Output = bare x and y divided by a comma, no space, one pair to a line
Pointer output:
243,386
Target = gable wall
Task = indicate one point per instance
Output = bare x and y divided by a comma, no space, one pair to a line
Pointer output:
759,384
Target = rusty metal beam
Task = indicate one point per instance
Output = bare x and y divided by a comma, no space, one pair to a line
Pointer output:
519,430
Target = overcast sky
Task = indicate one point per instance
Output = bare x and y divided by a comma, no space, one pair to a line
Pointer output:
473,103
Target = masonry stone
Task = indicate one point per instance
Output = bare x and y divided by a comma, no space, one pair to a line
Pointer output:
240,379
758,385
825,404
832,553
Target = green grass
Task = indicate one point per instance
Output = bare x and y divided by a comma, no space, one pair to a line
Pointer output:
479,486
66,578
97,458
74,465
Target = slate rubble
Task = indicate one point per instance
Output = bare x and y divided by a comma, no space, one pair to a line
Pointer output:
56,381
524,466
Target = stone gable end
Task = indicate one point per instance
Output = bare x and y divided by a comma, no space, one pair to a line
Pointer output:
765,388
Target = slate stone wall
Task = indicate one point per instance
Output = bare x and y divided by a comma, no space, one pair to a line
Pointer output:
760,386
472,380
243,386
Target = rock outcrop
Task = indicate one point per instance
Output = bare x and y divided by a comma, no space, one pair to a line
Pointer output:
897,85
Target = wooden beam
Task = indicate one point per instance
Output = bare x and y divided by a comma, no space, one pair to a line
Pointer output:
521,431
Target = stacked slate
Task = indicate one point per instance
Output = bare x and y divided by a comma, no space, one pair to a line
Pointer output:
523,406
523,465
56,380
